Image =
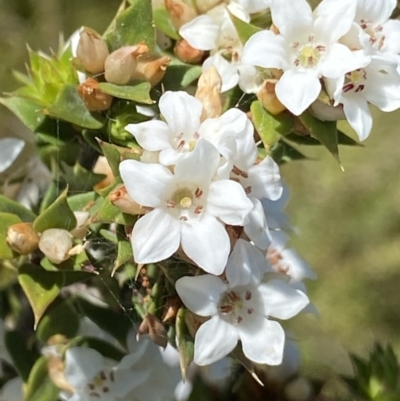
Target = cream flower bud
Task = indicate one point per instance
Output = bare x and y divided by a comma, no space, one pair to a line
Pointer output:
208,92
81,228
187,53
92,51
95,99
121,64
119,197
268,98
22,238
55,243
151,69
206,5
179,12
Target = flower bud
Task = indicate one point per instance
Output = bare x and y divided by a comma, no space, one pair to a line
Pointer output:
208,92
187,53
92,51
55,243
206,5
179,12
268,98
121,64
119,197
151,69
81,228
94,98
22,238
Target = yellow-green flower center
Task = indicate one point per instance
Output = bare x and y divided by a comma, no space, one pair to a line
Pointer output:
308,56
183,197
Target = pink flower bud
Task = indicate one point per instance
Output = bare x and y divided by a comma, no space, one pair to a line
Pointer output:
95,99
92,51
268,98
206,5
55,243
119,197
151,69
187,53
179,12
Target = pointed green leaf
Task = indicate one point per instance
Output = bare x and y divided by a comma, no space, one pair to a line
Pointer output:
324,131
51,324
112,155
27,111
270,127
21,353
10,206
114,323
6,220
132,26
164,24
70,107
39,386
79,179
179,74
57,215
108,213
184,342
244,29
124,254
302,139
138,92
283,152
82,201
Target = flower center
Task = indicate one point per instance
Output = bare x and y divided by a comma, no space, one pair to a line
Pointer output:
308,55
182,198
186,202
100,383
234,306
376,36
354,81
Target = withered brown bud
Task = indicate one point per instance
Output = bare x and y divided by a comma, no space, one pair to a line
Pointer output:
22,238
92,51
187,53
179,12
151,69
205,5
152,325
268,98
121,64
95,99
209,93
119,197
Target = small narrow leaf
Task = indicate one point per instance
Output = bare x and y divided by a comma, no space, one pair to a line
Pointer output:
112,155
184,342
124,254
138,92
244,29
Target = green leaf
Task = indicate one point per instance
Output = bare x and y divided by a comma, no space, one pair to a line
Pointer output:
112,155
27,111
270,127
115,324
81,202
70,107
103,347
22,356
184,342
10,206
57,215
39,386
179,74
323,131
163,23
302,139
6,220
138,92
108,213
42,287
51,323
79,179
124,254
244,29
282,152
132,26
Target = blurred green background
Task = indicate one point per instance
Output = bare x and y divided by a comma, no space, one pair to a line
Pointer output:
349,222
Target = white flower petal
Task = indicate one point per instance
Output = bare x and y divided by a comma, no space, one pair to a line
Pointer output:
10,149
155,237
298,90
146,183
201,33
206,242
81,365
228,201
377,11
358,115
214,340
228,71
246,264
391,32
181,112
255,6
280,300
150,135
263,343
267,50
250,80
293,18
201,294
257,228
333,19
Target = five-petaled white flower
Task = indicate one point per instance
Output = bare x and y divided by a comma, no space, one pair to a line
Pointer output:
240,308
189,208
306,48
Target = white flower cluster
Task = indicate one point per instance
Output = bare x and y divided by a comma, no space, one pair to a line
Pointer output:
200,179
349,49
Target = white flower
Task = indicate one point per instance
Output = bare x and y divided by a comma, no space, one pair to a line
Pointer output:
377,83
188,208
182,129
277,219
254,6
239,308
306,48
95,378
